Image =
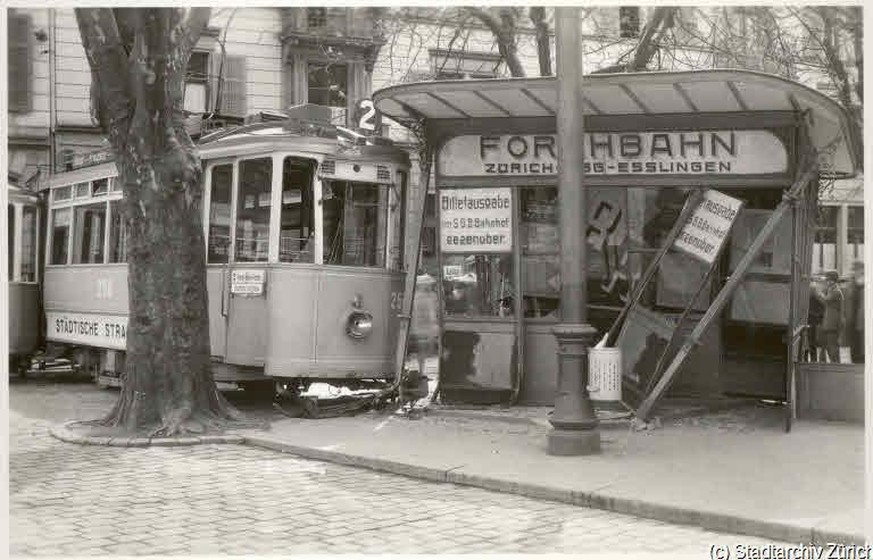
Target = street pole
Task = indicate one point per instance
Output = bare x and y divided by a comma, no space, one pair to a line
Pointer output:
574,421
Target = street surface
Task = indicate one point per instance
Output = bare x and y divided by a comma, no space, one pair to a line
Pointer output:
67,499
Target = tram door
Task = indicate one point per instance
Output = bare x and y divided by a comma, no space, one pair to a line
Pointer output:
237,286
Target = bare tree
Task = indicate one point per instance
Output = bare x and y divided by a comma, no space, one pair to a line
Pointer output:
138,58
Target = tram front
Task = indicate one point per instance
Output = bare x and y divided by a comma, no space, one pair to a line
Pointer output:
311,285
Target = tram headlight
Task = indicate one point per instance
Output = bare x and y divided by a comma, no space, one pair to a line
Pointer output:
359,325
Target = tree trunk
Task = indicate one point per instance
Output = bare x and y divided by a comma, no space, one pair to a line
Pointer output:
138,59
544,51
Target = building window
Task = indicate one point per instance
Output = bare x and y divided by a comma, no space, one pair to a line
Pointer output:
629,22
253,210
297,233
463,65
316,18
855,234
197,83
824,255
20,69
328,84
11,239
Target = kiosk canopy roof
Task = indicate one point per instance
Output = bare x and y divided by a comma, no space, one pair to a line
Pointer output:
704,91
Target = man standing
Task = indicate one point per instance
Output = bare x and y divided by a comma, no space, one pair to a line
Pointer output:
856,314
832,299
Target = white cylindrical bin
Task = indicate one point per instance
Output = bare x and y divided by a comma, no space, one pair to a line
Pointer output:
604,374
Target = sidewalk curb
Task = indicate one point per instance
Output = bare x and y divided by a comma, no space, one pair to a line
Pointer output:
712,521
64,434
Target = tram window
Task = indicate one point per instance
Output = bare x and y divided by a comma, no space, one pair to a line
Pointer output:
61,235
355,220
100,186
253,210
11,238
219,214
28,244
62,193
83,190
89,227
297,235
117,234
114,184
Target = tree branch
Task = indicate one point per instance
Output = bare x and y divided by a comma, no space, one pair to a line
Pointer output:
111,99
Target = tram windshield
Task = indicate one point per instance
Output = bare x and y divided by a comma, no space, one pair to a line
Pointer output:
355,223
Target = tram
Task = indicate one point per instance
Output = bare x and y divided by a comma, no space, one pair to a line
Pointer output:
23,222
304,230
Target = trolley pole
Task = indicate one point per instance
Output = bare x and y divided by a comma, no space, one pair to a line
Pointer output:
574,421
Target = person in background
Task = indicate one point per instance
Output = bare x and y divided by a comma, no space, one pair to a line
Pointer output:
832,321
424,331
813,335
855,314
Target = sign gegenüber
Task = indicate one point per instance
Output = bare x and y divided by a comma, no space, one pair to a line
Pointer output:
705,231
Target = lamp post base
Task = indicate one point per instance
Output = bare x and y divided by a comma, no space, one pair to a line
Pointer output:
573,442
574,420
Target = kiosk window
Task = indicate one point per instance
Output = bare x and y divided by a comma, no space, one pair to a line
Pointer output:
60,235
219,214
253,210
478,285
540,251
90,230
355,223
117,233
28,244
297,234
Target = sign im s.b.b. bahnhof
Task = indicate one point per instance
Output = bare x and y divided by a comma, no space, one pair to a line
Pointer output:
722,152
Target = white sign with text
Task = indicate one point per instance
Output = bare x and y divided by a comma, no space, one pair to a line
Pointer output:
91,329
476,220
705,231
248,282
717,152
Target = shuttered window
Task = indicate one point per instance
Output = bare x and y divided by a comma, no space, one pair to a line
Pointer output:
20,68
232,89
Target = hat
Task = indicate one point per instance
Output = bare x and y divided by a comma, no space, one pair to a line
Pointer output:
832,275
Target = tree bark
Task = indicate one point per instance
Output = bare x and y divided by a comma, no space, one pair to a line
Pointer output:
138,59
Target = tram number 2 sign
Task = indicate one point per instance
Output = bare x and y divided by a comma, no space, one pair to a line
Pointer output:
368,118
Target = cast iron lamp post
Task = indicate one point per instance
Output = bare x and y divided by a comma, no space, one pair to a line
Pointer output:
574,421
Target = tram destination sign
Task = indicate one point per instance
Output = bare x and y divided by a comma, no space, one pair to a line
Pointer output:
705,231
716,152
248,282
91,329
476,220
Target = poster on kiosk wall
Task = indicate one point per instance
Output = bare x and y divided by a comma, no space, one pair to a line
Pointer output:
476,220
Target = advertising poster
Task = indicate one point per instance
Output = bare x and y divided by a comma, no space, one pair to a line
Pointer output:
476,220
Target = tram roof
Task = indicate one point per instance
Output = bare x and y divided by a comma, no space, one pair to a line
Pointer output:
640,93
19,194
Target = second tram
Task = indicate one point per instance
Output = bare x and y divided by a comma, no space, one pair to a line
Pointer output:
304,229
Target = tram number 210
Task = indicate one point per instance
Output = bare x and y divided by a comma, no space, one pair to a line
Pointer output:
396,301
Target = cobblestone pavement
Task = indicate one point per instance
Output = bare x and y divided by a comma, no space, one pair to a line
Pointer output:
67,499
